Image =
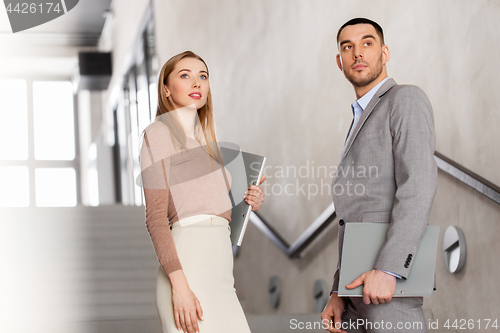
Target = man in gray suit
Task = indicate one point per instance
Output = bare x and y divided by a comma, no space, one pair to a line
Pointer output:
387,173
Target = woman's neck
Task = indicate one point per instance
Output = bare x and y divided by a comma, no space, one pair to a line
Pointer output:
187,116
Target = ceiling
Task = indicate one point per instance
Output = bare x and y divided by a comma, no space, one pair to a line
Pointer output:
50,49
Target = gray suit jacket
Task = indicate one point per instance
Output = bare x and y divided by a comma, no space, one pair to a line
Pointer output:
387,173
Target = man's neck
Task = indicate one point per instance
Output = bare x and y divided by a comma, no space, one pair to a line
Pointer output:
361,91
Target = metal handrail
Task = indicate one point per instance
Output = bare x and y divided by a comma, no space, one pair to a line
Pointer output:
468,177
444,164
309,235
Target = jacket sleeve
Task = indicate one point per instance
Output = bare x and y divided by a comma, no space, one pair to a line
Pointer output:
415,176
154,160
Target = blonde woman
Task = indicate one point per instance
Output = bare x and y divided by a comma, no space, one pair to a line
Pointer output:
188,209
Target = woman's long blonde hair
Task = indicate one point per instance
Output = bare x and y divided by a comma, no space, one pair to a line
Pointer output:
205,124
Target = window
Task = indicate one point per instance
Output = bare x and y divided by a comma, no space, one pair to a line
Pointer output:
53,120
14,191
55,187
37,144
135,109
13,120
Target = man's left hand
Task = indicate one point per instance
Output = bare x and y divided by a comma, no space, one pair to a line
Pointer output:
378,288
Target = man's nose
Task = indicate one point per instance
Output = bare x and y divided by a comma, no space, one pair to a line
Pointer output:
357,53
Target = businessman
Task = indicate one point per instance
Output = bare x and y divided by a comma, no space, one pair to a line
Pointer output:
392,135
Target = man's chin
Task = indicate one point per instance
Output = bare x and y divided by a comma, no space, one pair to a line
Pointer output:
360,81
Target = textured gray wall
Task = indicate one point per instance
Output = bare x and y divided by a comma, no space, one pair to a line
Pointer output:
278,92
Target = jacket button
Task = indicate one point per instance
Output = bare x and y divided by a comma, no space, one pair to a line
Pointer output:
341,222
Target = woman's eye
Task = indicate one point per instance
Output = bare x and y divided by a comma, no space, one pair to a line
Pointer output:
203,77
184,76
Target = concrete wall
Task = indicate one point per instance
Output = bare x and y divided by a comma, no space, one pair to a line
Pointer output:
278,92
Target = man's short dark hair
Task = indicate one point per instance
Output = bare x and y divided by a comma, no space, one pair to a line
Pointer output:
361,20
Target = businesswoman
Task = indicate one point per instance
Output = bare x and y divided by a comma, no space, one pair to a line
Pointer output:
188,209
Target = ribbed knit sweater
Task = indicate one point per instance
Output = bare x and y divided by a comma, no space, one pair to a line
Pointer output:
178,184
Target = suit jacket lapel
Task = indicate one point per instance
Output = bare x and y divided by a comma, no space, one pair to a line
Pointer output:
366,113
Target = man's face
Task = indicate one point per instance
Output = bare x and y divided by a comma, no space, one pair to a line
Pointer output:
362,56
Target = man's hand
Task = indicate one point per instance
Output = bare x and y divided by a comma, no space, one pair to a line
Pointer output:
378,288
333,312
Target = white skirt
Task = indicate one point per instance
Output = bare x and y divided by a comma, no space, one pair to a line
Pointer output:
205,253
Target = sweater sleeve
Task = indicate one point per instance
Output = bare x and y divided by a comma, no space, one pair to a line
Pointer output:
154,160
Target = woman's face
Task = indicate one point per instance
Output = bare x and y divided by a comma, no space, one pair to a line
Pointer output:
188,84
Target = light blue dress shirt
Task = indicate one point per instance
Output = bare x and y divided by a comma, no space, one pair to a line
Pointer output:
360,105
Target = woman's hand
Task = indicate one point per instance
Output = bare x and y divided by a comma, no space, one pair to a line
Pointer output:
255,195
187,308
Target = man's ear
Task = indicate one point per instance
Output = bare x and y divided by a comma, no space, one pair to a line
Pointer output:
386,55
339,62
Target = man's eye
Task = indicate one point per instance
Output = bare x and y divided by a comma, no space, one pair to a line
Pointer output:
184,76
368,43
347,47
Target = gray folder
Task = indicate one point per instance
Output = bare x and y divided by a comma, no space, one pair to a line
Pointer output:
362,243
245,169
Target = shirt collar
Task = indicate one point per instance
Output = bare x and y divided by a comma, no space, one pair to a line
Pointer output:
363,101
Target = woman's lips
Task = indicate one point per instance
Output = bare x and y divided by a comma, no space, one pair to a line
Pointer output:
195,95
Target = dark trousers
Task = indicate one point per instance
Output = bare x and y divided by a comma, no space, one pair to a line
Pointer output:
402,315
